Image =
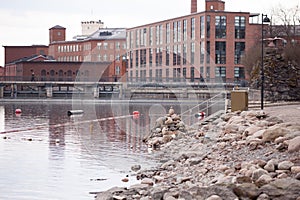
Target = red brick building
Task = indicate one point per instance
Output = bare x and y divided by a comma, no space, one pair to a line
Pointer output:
14,53
65,60
41,68
206,45
1,71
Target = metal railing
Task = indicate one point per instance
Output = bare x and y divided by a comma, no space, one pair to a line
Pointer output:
209,107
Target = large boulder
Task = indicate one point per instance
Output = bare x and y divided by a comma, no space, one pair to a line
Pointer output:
274,132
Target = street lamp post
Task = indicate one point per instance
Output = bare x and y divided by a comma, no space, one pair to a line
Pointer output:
264,19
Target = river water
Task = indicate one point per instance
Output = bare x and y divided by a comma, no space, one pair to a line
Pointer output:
46,154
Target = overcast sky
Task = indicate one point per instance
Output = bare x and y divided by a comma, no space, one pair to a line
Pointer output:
27,22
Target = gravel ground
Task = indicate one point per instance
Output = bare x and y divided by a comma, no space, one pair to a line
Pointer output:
288,113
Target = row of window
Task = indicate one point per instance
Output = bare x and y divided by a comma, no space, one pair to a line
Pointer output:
70,73
180,74
180,54
88,47
179,31
88,58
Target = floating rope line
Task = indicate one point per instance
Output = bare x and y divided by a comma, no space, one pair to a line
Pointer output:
64,124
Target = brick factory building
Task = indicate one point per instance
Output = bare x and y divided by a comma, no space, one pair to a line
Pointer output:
14,53
41,68
202,46
63,59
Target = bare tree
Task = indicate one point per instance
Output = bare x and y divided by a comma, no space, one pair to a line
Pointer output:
284,21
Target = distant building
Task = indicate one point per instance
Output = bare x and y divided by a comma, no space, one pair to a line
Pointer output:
13,53
44,69
89,27
202,46
104,45
1,71
57,33
63,59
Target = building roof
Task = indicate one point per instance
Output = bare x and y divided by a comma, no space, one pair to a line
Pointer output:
31,58
108,34
57,27
32,46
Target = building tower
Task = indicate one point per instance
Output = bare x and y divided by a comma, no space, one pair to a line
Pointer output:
57,34
214,5
193,6
89,27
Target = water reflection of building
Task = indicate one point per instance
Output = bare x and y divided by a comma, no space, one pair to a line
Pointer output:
56,132
2,118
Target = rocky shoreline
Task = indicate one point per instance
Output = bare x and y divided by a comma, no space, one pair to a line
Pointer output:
241,155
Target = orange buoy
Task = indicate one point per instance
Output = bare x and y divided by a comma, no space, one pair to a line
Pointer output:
18,111
136,114
200,115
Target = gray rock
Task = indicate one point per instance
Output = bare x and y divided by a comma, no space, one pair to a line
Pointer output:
246,190
214,197
135,168
263,180
220,190
294,145
263,197
158,193
258,173
274,132
285,165
282,189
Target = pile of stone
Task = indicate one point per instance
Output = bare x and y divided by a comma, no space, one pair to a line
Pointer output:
241,155
165,129
281,78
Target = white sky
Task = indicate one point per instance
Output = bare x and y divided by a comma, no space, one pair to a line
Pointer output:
27,22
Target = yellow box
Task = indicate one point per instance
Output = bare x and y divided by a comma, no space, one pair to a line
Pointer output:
239,100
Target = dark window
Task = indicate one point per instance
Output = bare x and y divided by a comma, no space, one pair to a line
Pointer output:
202,52
43,74
167,75
240,27
52,74
202,27
60,75
207,73
220,26
131,59
184,73
150,57
150,75
192,53
158,57
208,26
239,73
184,54
208,52
69,75
220,53
220,73
143,57
136,58
192,74
168,56
239,52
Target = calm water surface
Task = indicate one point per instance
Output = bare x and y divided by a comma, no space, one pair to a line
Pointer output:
46,154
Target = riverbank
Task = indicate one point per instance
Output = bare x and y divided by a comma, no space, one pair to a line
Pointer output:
241,155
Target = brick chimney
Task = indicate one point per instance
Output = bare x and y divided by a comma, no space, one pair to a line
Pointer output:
193,6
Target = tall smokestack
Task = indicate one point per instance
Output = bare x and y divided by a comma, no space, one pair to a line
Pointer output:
193,6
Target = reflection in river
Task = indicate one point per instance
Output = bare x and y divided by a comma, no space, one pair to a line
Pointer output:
46,154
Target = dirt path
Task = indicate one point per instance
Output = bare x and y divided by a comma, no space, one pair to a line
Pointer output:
288,113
